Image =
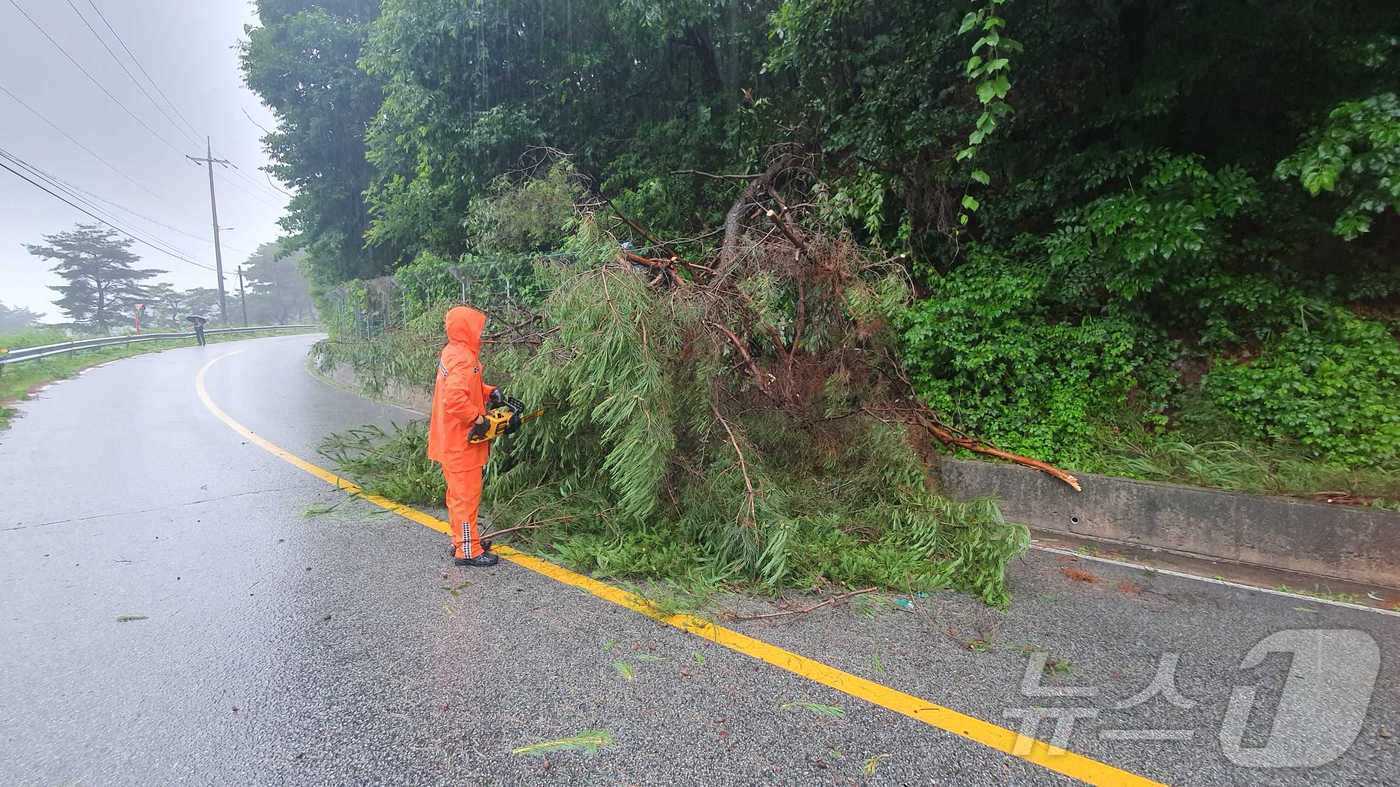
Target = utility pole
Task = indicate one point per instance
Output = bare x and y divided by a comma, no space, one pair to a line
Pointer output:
242,299
210,161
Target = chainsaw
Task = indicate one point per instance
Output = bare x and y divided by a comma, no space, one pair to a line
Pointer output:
504,416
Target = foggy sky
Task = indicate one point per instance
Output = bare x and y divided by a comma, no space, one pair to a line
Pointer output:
187,46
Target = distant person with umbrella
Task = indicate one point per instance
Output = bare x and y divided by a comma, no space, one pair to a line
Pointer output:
198,327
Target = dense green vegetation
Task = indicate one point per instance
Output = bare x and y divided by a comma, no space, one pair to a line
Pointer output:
1132,225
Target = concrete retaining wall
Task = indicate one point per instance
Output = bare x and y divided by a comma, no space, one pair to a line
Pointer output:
1355,544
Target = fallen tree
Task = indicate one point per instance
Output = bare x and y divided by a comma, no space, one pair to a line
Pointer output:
744,415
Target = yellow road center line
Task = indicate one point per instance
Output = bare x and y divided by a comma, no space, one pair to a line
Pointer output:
1007,741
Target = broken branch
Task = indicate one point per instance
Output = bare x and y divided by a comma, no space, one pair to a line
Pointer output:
828,602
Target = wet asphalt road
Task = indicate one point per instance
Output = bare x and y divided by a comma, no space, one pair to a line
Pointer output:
169,613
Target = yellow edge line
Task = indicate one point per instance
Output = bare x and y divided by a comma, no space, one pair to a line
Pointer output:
1038,752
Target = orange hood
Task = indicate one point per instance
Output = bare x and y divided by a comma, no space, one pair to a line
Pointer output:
464,325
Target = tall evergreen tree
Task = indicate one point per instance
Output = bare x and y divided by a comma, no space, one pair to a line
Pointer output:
96,264
277,290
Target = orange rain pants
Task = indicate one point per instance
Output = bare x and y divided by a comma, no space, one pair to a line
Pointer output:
463,502
459,399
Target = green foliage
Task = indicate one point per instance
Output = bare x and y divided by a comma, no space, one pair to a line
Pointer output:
302,60
1137,215
427,281
407,356
636,470
1136,241
34,336
992,350
529,215
391,464
1333,387
990,72
1356,154
588,741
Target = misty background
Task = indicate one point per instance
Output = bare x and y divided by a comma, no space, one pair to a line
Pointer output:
146,184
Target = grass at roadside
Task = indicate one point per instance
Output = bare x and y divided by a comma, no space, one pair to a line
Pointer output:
1208,448
18,381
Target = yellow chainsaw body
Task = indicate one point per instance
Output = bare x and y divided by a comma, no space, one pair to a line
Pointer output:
495,426
498,420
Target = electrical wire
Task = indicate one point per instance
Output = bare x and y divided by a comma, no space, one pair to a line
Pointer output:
255,182
85,148
245,190
91,196
138,184
107,216
164,113
76,194
172,254
142,68
92,78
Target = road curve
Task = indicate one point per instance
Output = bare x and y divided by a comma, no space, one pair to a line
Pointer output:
172,614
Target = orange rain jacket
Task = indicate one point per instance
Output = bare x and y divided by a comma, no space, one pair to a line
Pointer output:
459,397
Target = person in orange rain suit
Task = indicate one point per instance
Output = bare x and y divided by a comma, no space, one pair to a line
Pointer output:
460,400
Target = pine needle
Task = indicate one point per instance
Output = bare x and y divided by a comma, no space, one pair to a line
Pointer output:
818,708
590,741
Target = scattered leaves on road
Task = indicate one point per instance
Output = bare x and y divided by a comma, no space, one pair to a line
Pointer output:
1079,574
129,618
818,708
457,591
873,763
314,511
625,670
588,741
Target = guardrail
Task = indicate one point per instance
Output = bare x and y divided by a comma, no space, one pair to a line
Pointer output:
49,350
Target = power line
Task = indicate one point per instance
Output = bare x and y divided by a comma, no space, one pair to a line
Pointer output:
158,243
127,71
92,215
113,168
142,68
246,191
92,78
238,172
76,195
85,148
89,195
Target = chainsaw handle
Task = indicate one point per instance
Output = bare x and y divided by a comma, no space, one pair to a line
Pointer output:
478,428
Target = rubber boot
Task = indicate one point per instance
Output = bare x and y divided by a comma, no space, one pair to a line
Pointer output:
484,560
